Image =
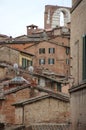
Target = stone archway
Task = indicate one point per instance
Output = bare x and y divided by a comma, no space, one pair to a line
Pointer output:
56,17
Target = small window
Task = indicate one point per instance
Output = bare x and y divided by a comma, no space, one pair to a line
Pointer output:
41,50
59,88
84,58
52,50
67,61
41,61
67,50
51,61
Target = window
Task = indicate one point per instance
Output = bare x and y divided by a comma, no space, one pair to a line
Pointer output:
41,50
41,61
59,88
84,57
61,18
50,61
26,63
67,50
51,50
67,61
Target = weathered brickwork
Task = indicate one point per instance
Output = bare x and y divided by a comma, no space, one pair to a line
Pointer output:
52,16
7,111
47,110
60,56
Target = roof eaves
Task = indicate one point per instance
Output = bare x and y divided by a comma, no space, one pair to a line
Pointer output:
18,88
78,87
75,5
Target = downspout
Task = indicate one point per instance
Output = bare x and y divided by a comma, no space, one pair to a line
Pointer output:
23,115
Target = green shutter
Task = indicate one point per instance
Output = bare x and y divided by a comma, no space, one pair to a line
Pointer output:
84,57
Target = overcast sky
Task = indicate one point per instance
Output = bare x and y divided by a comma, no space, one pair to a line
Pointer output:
15,15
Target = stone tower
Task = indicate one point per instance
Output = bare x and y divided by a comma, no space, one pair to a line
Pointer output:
52,16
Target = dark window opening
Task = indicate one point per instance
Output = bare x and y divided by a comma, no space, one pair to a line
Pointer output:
84,58
51,61
67,50
42,51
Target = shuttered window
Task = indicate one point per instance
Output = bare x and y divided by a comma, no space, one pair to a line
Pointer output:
52,50
42,51
84,57
26,63
41,61
51,61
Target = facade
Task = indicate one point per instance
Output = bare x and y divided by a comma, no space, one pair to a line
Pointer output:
78,65
7,111
12,56
52,16
78,107
17,93
77,42
41,110
52,55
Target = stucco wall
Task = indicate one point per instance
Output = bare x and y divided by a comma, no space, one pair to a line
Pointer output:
78,29
78,109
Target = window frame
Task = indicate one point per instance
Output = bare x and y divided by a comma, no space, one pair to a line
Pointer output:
41,50
51,50
51,61
41,62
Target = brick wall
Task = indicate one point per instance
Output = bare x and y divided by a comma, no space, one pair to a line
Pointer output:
60,56
7,111
46,110
50,10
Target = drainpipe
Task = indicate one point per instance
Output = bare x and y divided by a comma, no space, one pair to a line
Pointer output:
23,116
77,44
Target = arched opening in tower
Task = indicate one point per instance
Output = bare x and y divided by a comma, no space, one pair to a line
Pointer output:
61,18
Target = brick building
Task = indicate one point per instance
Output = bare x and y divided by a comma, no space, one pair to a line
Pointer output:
78,65
13,55
7,111
38,109
52,16
20,94
52,54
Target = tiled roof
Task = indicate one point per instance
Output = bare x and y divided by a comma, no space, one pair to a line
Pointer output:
22,51
60,80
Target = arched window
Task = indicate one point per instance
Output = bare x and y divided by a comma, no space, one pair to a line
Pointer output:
61,18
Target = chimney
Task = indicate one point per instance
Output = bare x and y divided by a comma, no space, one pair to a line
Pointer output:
31,28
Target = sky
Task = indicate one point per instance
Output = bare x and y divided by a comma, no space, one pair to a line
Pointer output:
15,15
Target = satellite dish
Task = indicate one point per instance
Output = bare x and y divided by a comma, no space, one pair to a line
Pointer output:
15,66
30,69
